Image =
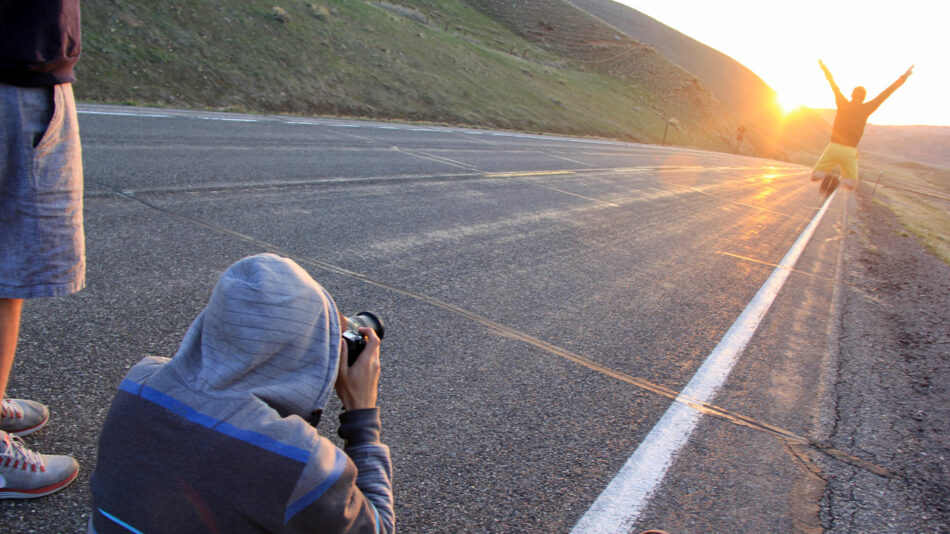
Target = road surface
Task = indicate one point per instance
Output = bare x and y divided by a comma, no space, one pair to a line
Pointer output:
546,299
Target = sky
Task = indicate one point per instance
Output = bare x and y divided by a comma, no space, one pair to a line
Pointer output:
869,43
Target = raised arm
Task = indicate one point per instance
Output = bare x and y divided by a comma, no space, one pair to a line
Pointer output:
879,99
839,98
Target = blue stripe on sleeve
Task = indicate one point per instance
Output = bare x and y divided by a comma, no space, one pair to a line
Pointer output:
247,436
375,513
119,522
339,462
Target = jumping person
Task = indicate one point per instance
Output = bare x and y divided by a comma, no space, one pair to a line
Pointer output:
850,120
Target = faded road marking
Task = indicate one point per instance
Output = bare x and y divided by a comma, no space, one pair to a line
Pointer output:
525,173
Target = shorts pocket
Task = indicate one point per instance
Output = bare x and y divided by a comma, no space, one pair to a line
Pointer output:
57,159
55,121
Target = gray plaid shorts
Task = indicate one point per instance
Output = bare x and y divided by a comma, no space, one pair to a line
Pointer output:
42,246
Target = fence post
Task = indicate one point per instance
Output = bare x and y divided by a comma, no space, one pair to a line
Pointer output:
667,127
877,182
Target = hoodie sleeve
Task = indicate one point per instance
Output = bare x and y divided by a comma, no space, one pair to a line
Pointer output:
360,431
345,490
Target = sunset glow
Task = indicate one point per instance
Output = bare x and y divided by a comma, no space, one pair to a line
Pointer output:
788,101
863,43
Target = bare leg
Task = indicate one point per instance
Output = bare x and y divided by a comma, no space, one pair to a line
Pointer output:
10,310
818,175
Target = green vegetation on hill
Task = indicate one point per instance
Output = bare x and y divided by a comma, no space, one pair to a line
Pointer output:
437,61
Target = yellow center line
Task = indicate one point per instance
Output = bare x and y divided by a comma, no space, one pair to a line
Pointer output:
770,264
609,203
525,173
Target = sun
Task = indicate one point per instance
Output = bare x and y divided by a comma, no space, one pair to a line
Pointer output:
787,102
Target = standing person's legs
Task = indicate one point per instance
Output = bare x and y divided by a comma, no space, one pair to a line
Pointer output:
9,332
17,416
43,246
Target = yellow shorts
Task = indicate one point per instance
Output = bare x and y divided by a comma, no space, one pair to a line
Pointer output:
843,156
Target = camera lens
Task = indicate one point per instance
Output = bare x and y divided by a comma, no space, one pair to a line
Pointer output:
367,319
355,342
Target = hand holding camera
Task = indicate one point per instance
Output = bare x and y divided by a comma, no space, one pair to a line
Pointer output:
355,340
358,376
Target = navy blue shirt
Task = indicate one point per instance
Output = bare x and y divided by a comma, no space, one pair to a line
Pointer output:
39,42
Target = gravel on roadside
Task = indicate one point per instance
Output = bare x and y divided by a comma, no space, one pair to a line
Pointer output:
892,381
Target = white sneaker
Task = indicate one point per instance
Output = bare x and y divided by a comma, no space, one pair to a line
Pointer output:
25,474
21,417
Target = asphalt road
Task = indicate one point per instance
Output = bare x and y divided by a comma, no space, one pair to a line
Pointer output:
545,298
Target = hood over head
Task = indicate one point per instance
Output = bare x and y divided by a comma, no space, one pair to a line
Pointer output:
270,331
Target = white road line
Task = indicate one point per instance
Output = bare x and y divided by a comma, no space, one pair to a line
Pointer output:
164,116
622,501
122,114
225,119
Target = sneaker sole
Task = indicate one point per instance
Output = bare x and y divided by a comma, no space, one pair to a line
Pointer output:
8,493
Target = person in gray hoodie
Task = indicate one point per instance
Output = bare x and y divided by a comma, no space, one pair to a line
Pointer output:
218,438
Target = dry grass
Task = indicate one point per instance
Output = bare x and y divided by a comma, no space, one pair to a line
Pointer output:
920,197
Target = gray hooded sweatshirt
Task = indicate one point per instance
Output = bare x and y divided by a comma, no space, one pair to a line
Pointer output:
216,439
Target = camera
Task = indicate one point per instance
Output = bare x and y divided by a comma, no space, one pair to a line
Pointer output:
356,342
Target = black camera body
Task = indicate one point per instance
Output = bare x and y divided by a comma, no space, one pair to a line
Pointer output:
356,342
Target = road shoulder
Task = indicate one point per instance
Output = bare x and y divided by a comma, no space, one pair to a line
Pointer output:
891,392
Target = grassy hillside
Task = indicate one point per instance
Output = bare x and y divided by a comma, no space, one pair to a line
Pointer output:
741,91
738,88
564,30
439,61
927,144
